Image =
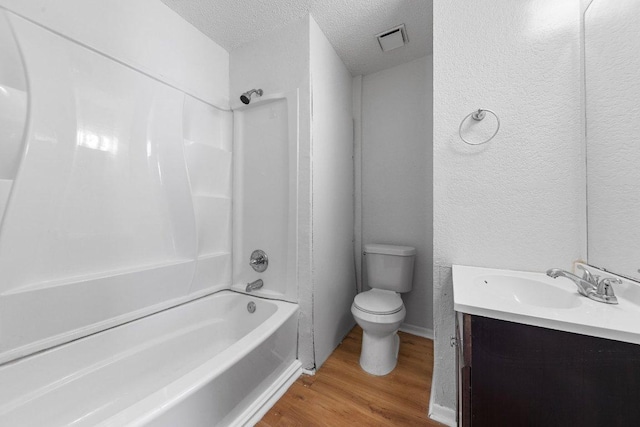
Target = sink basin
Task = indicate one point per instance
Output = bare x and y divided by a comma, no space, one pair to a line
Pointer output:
533,298
628,292
529,291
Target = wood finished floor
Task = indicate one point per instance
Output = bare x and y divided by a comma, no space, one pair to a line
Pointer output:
342,394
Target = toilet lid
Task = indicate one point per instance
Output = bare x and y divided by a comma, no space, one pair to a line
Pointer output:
378,301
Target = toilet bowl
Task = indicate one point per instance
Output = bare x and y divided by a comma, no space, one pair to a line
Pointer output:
380,311
380,341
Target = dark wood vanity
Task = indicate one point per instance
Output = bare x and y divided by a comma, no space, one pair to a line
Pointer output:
511,374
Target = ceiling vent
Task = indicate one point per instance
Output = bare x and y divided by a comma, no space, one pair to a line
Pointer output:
393,38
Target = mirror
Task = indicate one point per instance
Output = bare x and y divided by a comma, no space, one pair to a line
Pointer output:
612,101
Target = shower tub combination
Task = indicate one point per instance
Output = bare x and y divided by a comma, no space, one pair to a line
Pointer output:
116,204
207,362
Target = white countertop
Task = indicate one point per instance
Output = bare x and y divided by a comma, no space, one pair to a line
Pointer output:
619,322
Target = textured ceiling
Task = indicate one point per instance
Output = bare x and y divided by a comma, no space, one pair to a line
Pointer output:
350,25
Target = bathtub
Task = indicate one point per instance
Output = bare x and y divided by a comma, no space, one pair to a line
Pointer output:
208,362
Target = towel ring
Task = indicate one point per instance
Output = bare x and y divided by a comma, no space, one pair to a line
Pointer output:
478,116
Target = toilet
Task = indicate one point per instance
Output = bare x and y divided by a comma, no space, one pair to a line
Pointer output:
380,311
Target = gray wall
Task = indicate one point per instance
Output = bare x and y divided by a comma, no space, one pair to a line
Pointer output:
397,174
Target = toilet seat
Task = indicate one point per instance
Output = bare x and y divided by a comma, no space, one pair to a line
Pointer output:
379,319
378,302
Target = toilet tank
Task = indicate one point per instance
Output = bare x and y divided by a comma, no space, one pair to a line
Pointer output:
390,267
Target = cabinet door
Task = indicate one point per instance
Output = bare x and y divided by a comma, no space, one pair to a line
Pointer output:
530,376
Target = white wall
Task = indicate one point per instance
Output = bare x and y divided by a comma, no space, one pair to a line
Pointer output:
334,284
518,201
397,173
279,63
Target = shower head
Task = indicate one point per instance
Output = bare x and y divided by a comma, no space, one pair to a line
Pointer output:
246,97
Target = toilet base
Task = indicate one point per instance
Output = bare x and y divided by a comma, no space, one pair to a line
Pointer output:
379,354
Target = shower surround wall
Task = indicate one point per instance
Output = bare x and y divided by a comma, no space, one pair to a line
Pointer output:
114,211
298,57
518,201
279,63
176,54
265,147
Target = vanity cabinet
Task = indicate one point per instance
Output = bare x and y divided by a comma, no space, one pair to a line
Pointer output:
511,374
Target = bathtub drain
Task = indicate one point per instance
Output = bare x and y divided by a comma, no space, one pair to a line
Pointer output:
251,307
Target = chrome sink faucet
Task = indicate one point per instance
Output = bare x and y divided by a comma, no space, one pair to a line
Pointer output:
604,292
584,286
590,285
257,284
587,276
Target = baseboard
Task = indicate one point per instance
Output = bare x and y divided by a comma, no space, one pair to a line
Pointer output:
310,372
446,416
417,330
266,400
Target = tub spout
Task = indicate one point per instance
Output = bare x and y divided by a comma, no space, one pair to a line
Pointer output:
254,285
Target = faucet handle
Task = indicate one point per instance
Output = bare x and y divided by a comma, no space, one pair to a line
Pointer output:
611,280
587,276
605,286
259,260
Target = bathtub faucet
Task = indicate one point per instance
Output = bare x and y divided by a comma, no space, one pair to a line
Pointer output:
254,285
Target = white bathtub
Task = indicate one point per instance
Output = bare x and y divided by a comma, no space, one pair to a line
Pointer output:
206,363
